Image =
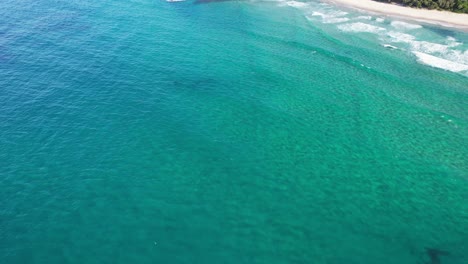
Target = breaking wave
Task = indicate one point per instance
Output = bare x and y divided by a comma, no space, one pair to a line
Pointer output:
430,49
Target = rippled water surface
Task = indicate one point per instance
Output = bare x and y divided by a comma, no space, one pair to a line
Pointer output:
148,131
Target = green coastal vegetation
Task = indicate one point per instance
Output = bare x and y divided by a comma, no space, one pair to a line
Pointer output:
459,6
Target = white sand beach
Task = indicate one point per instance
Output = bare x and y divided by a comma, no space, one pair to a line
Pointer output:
442,18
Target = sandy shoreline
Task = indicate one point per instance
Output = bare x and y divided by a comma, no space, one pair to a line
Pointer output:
441,18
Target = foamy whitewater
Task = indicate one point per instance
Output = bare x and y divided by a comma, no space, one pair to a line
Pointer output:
412,38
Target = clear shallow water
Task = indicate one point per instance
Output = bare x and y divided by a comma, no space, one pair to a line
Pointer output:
233,132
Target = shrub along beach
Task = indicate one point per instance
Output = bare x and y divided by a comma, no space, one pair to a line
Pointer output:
459,6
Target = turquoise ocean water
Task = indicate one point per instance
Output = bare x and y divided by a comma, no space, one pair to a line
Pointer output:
229,132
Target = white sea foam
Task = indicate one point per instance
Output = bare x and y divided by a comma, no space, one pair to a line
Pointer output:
400,37
339,13
438,52
404,25
335,20
380,20
440,62
296,4
451,39
330,14
452,42
434,54
429,47
318,14
332,17
457,56
364,17
360,27
388,46
421,46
